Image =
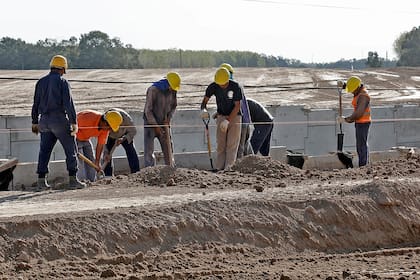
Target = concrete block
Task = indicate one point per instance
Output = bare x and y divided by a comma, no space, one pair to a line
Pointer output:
21,128
320,140
407,130
25,151
279,153
4,138
290,127
325,162
382,134
25,174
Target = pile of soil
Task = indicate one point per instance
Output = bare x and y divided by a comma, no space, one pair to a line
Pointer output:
261,220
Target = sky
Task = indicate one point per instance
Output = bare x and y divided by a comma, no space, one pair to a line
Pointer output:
310,31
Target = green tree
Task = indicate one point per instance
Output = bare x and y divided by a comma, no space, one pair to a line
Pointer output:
373,60
407,48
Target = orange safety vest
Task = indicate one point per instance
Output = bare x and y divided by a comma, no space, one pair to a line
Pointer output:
365,118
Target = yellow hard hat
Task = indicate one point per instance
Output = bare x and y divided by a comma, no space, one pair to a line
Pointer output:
59,61
114,119
222,76
227,66
353,83
174,80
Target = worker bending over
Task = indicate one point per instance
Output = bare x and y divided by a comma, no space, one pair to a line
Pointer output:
94,124
124,136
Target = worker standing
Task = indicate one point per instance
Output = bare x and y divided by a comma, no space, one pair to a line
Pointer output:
361,117
160,106
54,117
244,147
94,124
228,98
124,136
262,121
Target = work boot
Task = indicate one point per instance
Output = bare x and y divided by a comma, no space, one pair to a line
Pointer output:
75,183
42,184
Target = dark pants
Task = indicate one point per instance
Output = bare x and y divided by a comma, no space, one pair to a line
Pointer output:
261,137
50,133
165,140
362,131
132,157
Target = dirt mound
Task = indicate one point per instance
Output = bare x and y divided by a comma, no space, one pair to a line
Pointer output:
359,223
233,232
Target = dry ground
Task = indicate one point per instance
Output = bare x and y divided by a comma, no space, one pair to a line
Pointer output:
314,88
262,220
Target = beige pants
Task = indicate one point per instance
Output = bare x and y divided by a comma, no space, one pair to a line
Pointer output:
227,142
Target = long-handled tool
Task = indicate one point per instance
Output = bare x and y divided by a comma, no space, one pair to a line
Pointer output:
170,148
346,159
100,173
106,161
206,123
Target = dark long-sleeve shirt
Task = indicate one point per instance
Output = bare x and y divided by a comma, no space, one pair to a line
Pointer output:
53,96
258,113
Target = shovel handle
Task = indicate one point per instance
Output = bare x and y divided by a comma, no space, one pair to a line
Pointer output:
89,162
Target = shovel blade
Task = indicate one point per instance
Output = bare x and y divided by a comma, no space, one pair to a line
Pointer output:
340,139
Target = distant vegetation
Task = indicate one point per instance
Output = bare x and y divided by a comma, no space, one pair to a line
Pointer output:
96,50
407,47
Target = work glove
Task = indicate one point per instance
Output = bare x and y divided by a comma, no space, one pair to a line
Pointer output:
224,125
340,119
204,114
120,140
73,129
341,85
35,128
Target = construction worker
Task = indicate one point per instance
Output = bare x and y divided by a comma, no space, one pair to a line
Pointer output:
159,109
244,147
228,99
262,121
54,117
360,116
94,124
123,136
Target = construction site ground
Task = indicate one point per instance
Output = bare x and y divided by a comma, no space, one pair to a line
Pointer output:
261,220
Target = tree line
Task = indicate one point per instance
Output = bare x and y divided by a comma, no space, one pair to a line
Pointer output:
96,50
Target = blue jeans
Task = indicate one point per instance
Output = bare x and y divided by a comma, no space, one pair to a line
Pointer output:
86,172
362,131
132,157
261,137
53,128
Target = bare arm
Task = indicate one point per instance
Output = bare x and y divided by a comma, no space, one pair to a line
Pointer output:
204,103
99,149
235,110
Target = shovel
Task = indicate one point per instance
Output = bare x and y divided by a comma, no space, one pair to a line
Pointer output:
100,173
345,159
206,123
